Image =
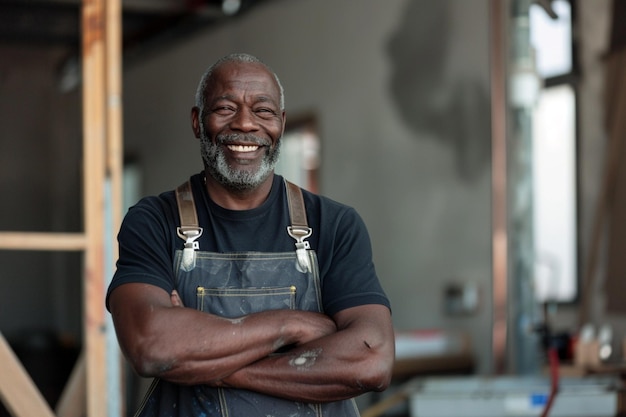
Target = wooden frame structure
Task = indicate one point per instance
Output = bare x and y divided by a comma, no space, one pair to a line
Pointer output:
499,243
86,391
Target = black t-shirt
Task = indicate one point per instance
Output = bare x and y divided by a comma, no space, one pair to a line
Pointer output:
148,241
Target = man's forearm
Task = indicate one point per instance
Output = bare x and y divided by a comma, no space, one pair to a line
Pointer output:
298,377
335,367
163,339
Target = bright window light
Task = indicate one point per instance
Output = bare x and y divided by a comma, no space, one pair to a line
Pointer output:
554,195
552,39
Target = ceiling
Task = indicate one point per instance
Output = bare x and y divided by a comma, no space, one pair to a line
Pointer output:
146,23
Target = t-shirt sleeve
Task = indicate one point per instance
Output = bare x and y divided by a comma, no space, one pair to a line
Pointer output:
145,247
350,279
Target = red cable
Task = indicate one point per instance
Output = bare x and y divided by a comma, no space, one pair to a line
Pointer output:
553,360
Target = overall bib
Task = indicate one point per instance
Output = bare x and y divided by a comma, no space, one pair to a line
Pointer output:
233,285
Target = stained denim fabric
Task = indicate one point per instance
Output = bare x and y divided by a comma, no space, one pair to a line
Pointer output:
232,285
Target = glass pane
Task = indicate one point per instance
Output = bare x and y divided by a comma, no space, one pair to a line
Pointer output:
552,39
554,194
300,155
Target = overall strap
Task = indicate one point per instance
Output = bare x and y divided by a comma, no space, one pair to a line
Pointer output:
186,205
299,229
297,212
189,229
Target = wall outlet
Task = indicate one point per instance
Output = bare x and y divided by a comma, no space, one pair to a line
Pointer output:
461,298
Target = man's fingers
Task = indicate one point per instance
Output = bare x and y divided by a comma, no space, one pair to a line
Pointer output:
176,300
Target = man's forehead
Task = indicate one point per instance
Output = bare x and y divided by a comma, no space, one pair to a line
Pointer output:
251,77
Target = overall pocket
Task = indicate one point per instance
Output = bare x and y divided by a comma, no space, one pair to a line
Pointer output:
237,302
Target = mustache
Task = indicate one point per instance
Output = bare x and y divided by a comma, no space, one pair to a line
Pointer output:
227,139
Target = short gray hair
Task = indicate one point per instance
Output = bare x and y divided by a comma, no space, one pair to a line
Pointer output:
237,57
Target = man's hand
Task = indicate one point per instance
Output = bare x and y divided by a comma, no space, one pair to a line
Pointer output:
175,299
310,325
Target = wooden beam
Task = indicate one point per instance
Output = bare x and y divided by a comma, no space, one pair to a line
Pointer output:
616,126
73,401
102,155
43,241
17,390
499,175
94,134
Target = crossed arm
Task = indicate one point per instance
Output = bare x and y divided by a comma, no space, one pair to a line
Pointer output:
331,358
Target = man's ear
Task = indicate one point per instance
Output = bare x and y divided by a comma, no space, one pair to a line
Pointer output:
284,122
195,121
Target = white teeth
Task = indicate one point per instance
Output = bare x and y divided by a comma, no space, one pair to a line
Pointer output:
243,148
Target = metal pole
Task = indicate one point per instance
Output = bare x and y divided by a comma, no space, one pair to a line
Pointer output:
113,190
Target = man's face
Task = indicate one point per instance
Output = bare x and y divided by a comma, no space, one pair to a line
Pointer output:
241,125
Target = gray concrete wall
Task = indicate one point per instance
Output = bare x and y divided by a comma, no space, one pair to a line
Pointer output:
404,122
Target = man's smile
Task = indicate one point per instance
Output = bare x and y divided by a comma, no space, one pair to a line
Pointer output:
243,148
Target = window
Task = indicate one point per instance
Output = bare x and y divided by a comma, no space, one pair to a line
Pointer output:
300,154
554,156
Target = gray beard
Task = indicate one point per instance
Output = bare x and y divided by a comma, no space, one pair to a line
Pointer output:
234,179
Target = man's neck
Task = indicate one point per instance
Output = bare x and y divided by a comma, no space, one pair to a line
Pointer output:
238,199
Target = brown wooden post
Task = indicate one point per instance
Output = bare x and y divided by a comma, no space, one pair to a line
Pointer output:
94,138
615,105
499,186
102,162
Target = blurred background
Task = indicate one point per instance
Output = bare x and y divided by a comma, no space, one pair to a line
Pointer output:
478,139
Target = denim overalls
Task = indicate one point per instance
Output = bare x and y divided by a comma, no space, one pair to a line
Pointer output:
233,285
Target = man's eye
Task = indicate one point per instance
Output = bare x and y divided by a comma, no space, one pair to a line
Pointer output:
223,110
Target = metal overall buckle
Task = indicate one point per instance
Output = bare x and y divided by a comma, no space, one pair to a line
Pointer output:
299,233
189,235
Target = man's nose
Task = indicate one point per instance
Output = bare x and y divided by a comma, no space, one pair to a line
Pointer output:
244,120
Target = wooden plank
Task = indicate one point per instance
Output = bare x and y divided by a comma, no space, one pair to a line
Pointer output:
93,53
616,126
401,395
395,399
17,390
499,187
73,401
43,241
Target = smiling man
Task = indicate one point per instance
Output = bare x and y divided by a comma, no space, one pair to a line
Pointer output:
239,118
240,293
